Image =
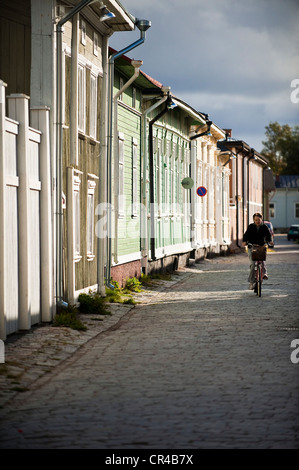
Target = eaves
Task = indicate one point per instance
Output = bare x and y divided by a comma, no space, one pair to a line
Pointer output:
123,21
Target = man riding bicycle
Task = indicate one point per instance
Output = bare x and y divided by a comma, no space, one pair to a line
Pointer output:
256,234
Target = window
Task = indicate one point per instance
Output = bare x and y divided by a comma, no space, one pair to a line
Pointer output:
76,211
171,189
134,98
272,210
158,177
95,44
81,98
134,177
83,32
121,185
297,210
90,216
121,84
93,106
166,186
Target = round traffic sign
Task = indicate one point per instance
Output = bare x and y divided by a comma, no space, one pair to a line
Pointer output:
201,191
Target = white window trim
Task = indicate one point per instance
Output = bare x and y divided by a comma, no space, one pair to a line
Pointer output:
121,176
93,106
134,97
274,210
82,105
90,224
135,177
121,84
95,44
76,215
83,32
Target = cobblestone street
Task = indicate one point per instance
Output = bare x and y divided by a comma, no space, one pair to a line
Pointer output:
201,363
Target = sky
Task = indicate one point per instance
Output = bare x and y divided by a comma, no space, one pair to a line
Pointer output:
236,60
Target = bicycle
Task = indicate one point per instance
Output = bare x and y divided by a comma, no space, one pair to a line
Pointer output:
258,255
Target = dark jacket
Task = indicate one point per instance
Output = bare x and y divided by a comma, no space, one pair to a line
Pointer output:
257,236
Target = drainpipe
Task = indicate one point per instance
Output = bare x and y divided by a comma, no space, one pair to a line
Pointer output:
243,193
102,169
136,64
144,231
196,136
74,93
152,189
252,157
143,26
59,138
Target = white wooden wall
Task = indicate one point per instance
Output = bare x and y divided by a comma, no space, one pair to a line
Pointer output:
25,236
11,283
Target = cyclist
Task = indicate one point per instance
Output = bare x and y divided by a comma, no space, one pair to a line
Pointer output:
256,234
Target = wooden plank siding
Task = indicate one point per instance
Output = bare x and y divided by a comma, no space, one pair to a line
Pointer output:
15,45
129,225
88,158
171,162
11,228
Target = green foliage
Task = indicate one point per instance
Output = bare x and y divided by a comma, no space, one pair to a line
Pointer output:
130,301
281,148
92,303
69,318
114,296
133,285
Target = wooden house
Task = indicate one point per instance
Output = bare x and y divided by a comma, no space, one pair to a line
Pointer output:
248,191
56,53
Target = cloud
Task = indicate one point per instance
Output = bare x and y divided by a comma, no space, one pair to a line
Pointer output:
236,56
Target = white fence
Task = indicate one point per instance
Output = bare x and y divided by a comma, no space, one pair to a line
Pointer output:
26,276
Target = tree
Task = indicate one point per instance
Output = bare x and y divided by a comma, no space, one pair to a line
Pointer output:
282,148
290,151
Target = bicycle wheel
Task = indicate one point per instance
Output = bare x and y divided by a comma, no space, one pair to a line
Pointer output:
259,280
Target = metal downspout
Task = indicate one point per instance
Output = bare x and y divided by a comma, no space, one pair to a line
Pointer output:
248,185
243,193
102,169
237,195
196,136
143,25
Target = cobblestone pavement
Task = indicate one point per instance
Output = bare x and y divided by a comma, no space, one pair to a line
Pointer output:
201,363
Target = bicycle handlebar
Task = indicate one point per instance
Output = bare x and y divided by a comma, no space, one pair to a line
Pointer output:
250,245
